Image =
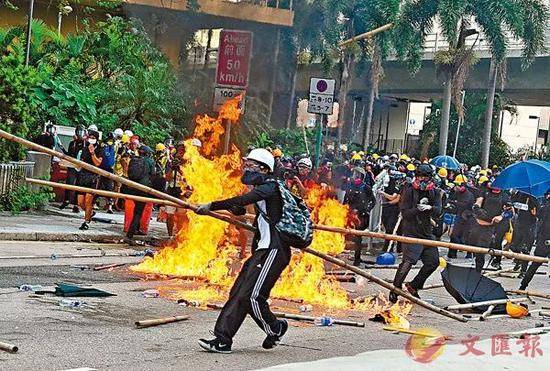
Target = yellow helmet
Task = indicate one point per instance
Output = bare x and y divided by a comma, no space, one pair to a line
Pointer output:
361,153
160,147
277,153
356,157
483,173
516,310
411,167
482,179
125,139
375,156
460,179
489,171
405,158
442,172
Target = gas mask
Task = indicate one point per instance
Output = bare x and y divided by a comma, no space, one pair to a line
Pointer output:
253,177
92,141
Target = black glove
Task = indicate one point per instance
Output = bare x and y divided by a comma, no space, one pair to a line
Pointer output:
203,209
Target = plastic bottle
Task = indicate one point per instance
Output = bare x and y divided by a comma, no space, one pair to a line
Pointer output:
324,321
32,288
53,257
68,303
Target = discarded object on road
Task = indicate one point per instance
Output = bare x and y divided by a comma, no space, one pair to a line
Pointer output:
152,293
324,321
414,332
482,304
487,313
517,310
300,317
306,308
109,266
160,321
67,289
529,293
467,285
33,288
189,303
8,347
68,303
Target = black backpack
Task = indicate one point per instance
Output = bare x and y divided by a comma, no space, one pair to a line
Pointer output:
137,169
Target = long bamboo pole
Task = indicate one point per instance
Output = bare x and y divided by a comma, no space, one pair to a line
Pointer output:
366,35
116,178
484,303
160,321
529,293
352,232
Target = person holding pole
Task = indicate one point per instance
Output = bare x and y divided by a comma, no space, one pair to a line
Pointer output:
270,256
419,202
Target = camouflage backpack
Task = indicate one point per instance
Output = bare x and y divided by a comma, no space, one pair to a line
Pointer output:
295,225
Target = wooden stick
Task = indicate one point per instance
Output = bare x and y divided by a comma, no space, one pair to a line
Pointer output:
432,243
301,317
488,302
10,348
108,266
435,286
529,293
487,313
386,285
160,321
544,313
228,218
412,332
366,35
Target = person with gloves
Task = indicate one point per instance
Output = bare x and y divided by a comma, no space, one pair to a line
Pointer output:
270,256
419,202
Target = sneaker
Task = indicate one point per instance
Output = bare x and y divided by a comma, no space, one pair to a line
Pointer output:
271,341
63,205
84,227
76,209
215,346
412,290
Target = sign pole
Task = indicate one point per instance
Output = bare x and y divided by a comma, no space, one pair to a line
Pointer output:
319,141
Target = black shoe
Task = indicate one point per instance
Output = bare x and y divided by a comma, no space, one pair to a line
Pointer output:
517,266
84,227
521,275
412,290
393,297
271,341
63,205
496,265
215,346
522,287
76,209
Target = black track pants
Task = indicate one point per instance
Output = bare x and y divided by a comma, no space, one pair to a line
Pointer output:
250,292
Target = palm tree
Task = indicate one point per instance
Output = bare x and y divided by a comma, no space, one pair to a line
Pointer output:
457,20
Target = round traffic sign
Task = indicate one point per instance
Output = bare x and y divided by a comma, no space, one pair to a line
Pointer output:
322,86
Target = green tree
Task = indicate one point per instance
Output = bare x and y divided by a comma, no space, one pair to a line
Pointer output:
458,20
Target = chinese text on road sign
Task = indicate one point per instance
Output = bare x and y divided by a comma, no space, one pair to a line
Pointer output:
234,58
321,96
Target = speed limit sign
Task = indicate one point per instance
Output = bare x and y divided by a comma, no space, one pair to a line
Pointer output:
222,95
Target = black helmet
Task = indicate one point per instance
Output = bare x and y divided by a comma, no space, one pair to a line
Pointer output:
424,170
80,131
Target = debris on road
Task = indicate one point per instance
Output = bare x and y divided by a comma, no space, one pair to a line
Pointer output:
160,321
152,293
10,348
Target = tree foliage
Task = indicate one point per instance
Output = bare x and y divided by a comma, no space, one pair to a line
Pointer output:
110,75
470,135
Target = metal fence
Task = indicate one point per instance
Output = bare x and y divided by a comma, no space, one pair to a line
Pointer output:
13,174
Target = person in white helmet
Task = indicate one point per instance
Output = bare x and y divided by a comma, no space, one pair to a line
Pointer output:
270,256
304,180
130,133
118,133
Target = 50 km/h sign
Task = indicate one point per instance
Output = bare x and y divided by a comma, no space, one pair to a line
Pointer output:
321,96
234,59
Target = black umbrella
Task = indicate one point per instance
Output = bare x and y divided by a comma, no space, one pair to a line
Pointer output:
467,285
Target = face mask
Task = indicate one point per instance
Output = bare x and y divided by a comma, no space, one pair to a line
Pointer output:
357,182
462,189
251,177
92,141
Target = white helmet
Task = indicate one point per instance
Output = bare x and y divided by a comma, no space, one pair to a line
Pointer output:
306,162
262,156
92,127
118,133
196,142
129,133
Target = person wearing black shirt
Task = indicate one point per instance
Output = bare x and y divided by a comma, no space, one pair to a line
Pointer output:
543,240
390,206
91,154
523,238
47,138
462,200
361,200
75,148
489,211
419,203
270,256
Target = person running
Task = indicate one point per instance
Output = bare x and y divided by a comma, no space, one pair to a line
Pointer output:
75,149
270,256
543,241
91,154
419,202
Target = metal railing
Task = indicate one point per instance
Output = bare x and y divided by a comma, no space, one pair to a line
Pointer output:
13,174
